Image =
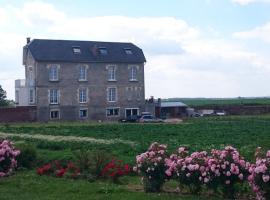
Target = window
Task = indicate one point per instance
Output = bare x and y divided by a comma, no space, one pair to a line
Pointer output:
31,96
112,112
103,50
54,114
76,50
133,73
129,93
83,113
54,96
83,73
138,93
111,73
132,112
82,95
111,94
128,51
31,74
53,73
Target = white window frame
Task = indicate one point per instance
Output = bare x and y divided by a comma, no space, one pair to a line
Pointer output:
54,72
76,50
55,110
133,72
128,51
113,108
103,51
81,109
54,94
30,76
110,94
83,98
111,72
31,96
83,72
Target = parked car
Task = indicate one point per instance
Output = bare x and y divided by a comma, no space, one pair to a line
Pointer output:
132,118
149,118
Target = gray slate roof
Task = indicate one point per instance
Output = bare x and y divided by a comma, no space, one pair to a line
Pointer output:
173,104
62,51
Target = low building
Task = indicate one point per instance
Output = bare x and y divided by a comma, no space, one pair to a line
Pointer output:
170,109
21,93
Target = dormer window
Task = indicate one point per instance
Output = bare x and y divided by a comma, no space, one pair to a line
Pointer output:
76,50
128,51
103,50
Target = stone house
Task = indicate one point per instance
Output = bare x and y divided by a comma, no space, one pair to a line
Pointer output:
83,80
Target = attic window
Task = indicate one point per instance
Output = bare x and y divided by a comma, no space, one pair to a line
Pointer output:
103,50
76,50
128,51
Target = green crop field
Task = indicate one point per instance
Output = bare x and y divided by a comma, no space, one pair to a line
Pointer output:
124,141
222,101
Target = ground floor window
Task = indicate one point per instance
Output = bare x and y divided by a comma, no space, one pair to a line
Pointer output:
112,112
54,114
83,113
132,111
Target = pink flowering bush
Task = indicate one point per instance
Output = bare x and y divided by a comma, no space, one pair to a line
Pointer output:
226,169
259,179
189,170
151,166
8,156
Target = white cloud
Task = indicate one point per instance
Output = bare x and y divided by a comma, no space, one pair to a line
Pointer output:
181,62
261,32
3,16
246,2
38,12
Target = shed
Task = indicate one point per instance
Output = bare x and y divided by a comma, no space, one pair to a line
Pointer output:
171,109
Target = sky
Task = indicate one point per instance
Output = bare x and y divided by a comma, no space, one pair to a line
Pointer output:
194,48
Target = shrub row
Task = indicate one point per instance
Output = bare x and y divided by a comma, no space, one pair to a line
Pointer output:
220,170
89,165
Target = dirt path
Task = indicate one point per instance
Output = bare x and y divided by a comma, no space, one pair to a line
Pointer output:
59,138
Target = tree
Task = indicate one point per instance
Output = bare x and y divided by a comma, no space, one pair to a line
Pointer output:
3,96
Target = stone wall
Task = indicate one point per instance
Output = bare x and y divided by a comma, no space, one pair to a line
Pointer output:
18,114
96,84
239,109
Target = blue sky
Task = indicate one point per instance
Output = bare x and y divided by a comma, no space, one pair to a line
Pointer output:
194,48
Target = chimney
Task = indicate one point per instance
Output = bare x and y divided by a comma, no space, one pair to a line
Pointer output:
28,39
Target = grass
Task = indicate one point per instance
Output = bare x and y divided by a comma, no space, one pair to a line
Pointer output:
245,133
27,185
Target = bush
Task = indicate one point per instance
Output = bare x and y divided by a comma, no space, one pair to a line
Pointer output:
151,165
58,169
8,156
91,163
189,170
115,169
227,169
259,179
28,156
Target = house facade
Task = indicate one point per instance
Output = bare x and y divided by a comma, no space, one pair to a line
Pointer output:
84,80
